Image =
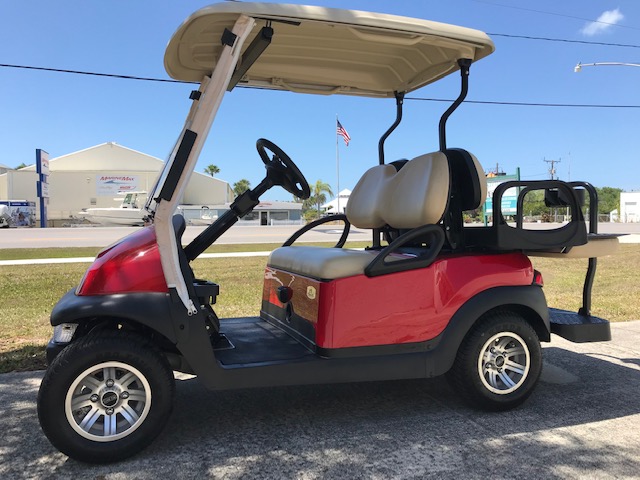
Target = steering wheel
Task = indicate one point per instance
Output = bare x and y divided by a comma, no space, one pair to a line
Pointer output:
281,170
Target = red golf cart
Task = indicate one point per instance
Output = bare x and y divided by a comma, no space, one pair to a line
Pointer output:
430,295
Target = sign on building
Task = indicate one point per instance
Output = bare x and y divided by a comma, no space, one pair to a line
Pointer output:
22,213
509,201
109,185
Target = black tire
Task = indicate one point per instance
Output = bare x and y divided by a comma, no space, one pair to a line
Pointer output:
95,419
499,362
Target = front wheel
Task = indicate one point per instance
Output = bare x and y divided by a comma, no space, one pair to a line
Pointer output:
499,362
105,397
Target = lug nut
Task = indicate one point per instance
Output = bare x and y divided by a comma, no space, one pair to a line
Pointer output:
124,395
110,383
109,411
94,398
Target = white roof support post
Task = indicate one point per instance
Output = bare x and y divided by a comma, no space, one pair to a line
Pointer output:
199,121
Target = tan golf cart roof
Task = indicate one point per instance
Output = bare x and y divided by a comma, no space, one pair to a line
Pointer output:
325,50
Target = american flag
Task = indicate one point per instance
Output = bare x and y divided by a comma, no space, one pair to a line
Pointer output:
343,133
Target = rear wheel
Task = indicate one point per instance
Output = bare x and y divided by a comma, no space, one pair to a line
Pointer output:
105,397
499,362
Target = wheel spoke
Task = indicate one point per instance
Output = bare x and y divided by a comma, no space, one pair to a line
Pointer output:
91,383
129,414
511,352
137,395
81,401
127,379
514,367
90,418
110,425
506,380
493,381
109,373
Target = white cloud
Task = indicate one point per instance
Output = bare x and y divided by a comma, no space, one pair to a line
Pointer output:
604,22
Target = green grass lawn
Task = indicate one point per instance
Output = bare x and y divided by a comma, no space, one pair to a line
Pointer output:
29,292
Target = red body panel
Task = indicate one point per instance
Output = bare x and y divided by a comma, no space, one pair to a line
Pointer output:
405,307
131,265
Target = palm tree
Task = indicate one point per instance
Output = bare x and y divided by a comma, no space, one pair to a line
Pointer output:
241,186
318,191
212,170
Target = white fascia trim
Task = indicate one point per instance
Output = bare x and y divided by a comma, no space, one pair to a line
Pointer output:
199,120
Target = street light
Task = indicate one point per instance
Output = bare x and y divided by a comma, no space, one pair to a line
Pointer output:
579,66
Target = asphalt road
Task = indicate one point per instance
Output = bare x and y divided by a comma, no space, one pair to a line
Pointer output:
583,422
103,236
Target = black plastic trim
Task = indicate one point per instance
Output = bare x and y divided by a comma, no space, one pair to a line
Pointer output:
146,308
177,168
527,301
579,328
399,101
339,217
228,38
378,266
251,54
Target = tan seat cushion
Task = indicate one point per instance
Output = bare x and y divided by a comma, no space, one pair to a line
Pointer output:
324,263
416,195
595,247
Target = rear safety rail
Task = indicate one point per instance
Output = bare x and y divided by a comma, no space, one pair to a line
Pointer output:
432,235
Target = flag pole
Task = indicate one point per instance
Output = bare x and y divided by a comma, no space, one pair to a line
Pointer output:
338,164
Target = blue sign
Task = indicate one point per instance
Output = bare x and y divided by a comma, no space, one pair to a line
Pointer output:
509,199
42,167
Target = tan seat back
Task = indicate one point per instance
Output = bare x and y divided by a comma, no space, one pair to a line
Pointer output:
414,196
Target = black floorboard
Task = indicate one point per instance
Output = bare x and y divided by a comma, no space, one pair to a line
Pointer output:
257,341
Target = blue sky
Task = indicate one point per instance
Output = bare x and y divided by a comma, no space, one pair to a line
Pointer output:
63,113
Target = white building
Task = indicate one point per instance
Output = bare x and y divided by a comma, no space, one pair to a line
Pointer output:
630,207
332,206
94,177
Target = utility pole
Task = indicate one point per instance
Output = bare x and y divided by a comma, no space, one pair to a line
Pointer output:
552,168
552,172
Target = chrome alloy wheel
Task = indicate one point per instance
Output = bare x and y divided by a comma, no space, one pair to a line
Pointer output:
504,363
108,401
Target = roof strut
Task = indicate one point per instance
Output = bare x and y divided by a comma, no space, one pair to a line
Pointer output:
251,54
464,64
399,101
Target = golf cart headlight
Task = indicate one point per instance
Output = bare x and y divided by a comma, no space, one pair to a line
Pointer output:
63,333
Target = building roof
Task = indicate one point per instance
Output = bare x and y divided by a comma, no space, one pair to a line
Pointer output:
104,157
333,204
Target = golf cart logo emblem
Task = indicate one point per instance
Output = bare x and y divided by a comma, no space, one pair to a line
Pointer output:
311,292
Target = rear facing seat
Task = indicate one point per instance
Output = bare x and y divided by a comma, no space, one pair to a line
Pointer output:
416,195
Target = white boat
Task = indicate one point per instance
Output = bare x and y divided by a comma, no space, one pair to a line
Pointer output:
128,213
5,216
195,215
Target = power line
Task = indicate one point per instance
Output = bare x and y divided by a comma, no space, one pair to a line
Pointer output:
526,104
554,14
95,74
165,80
563,40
